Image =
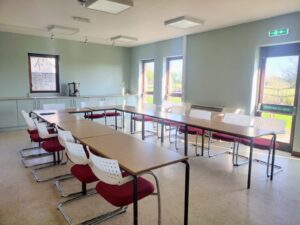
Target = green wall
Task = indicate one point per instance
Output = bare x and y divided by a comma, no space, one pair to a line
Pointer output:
100,69
157,51
220,64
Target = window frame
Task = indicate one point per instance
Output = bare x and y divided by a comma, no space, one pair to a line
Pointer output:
56,57
167,94
143,76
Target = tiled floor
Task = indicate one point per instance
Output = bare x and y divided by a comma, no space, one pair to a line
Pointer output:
218,193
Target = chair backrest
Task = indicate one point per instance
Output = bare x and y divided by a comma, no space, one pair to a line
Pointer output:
149,107
76,153
84,104
107,170
64,136
54,106
237,119
200,114
233,110
29,121
43,130
271,124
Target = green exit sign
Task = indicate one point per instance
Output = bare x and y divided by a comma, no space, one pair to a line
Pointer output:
279,32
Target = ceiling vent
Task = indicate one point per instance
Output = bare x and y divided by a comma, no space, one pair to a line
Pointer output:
81,19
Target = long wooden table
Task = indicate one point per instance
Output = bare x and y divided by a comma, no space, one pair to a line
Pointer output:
133,155
214,125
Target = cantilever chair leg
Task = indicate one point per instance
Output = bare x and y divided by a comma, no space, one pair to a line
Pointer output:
65,195
54,163
95,220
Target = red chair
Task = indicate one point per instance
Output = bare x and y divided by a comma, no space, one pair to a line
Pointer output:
234,119
82,171
51,145
275,125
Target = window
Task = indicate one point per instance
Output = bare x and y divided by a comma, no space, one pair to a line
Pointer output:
147,81
43,73
174,79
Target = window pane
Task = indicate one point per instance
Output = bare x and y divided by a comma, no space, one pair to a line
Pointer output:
148,76
43,73
148,99
175,76
174,99
280,80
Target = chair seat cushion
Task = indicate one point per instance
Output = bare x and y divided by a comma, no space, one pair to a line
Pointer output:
261,143
146,118
224,137
52,145
170,123
110,114
94,116
83,173
191,130
123,195
32,131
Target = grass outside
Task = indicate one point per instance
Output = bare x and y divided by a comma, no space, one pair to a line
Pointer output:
287,118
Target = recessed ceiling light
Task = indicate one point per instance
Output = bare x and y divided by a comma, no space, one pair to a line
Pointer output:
81,19
121,38
110,6
55,29
184,22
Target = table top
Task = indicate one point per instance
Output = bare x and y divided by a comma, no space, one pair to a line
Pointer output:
215,124
102,108
85,128
55,117
133,155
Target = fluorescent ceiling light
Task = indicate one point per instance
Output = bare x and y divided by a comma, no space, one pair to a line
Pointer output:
121,38
55,29
184,22
110,6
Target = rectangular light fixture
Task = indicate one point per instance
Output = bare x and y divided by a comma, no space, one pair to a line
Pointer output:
56,29
110,6
184,22
121,38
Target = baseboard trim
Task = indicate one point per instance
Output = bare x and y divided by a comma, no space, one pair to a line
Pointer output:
297,154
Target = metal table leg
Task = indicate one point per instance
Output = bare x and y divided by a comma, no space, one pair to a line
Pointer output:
116,120
273,156
186,193
202,145
143,127
250,163
131,123
185,139
161,132
135,200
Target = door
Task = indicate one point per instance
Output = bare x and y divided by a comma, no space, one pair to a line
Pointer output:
278,87
147,81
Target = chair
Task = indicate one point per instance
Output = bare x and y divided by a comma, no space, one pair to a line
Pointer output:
110,113
83,172
54,106
234,119
116,187
91,115
175,108
138,118
35,138
275,125
197,114
50,144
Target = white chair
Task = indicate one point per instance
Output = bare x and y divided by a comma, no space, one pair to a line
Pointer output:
54,106
34,137
238,120
50,144
197,114
82,172
112,181
274,125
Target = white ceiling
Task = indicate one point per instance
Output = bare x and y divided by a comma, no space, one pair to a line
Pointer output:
144,21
